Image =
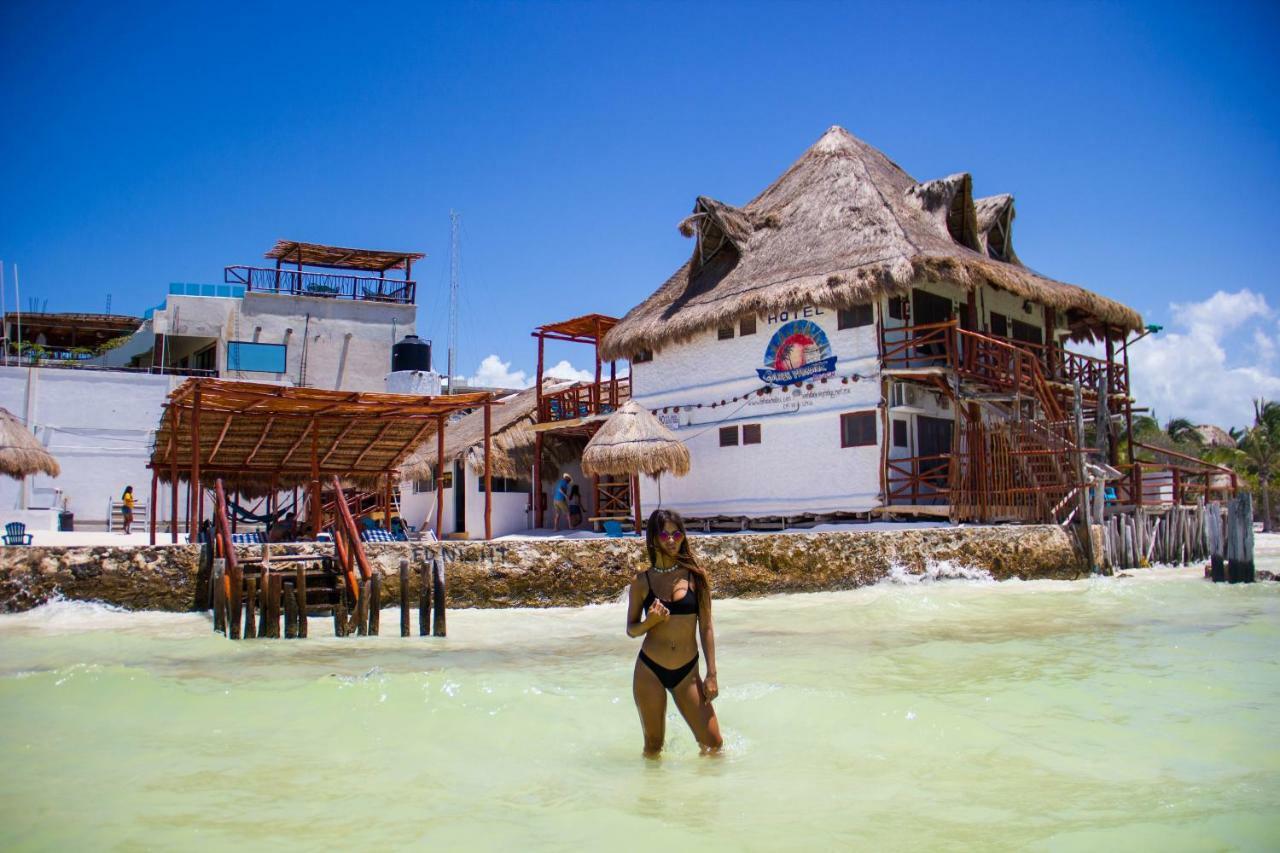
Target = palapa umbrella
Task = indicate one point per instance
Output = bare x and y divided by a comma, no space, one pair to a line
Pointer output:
633,442
21,453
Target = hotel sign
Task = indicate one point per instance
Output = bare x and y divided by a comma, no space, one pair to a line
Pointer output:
797,352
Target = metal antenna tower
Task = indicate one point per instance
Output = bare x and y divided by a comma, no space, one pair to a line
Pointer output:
454,262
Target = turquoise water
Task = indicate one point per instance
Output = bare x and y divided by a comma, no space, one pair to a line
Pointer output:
1117,713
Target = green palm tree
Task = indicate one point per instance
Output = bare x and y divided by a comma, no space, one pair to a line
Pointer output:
1183,431
1261,448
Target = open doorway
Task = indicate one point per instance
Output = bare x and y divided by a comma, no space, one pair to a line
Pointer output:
459,497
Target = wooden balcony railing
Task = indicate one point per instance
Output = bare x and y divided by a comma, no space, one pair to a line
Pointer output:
918,480
329,285
1180,479
582,401
1006,364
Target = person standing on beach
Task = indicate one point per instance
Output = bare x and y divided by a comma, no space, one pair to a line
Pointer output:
669,604
560,502
127,510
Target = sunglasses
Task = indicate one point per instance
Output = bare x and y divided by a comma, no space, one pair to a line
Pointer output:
673,535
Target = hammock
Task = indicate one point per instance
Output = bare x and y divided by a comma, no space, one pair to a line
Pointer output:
269,519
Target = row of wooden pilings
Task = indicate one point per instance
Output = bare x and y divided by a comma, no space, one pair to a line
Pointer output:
275,594
1135,537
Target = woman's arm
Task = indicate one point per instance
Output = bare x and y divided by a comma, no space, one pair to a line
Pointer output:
635,606
710,687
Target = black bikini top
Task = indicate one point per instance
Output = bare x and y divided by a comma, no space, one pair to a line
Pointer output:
685,605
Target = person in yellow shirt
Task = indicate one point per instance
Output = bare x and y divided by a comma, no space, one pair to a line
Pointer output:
127,512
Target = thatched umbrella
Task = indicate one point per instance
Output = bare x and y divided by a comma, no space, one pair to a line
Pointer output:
633,442
21,453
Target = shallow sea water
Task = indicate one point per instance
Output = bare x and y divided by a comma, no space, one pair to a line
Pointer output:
1117,713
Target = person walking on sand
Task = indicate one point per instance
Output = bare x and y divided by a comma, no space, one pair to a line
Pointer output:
669,604
127,510
560,502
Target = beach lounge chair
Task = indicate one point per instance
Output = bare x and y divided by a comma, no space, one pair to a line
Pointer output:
15,533
254,538
377,534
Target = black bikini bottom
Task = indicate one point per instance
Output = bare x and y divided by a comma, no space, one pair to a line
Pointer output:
670,678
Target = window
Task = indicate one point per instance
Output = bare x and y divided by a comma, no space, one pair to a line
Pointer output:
1027,333
852,318
207,358
857,429
751,433
729,436
896,305
899,433
747,326
642,356
423,485
506,484
999,325
725,333
255,357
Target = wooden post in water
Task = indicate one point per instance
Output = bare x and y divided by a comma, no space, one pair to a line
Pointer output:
437,583
375,603
362,610
300,590
250,600
290,612
340,612
1240,567
235,591
1216,543
277,595
404,598
219,599
264,602
424,599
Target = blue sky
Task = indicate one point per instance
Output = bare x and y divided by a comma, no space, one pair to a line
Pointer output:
144,144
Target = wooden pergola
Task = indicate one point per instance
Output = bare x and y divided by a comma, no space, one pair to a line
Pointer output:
587,329
341,257
264,438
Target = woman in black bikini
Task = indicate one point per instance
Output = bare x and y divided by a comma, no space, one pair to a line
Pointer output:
670,605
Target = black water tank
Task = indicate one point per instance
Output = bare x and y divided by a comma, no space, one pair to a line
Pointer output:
412,353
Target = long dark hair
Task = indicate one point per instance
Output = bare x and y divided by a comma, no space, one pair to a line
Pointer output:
684,557
127,490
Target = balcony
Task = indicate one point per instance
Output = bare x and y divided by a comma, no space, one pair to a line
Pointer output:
1003,364
325,285
584,400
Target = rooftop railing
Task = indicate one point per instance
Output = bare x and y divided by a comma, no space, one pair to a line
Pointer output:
321,284
582,401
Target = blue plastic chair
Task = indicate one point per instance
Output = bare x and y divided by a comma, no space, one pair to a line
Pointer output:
15,533
613,529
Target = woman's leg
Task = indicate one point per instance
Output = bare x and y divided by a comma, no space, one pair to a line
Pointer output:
700,716
651,702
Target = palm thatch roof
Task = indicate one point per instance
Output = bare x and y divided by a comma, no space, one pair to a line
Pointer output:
512,441
21,453
633,441
842,226
253,435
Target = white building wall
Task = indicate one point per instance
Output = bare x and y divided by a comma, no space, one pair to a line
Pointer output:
509,509
99,425
799,466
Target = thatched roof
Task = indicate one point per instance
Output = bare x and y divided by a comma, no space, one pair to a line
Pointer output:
252,434
340,257
512,440
21,453
632,441
844,225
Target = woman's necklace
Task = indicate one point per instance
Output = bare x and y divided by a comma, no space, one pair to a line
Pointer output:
667,570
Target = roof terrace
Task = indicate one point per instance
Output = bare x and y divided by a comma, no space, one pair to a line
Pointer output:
346,285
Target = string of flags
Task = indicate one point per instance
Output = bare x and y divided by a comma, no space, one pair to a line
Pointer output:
761,391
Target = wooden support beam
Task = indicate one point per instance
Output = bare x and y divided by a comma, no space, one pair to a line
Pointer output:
217,445
151,507
440,478
308,432
377,438
265,432
198,510
488,474
337,441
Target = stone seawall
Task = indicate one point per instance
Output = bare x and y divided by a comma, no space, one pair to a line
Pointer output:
551,573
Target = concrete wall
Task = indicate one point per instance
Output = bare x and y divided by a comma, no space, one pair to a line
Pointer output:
799,466
548,573
509,509
99,425
347,342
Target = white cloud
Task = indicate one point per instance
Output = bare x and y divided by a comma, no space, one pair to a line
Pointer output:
496,373
564,370
1212,361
